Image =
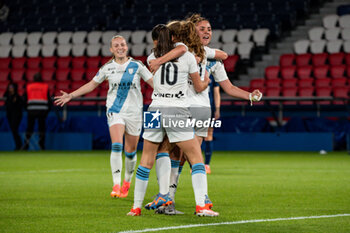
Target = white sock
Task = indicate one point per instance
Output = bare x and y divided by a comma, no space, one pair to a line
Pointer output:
163,169
199,183
141,183
174,178
116,162
130,163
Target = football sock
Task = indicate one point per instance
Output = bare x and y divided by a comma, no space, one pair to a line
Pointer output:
174,178
199,183
116,162
208,151
163,169
130,163
141,183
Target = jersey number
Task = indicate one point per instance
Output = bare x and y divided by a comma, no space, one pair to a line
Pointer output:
165,75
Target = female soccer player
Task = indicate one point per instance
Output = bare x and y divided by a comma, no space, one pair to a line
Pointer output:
200,101
124,108
170,99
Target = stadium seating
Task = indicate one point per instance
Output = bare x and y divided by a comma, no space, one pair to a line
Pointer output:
303,59
287,60
340,92
304,72
272,72
306,92
319,59
5,62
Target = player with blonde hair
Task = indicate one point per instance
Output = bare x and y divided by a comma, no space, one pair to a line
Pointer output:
124,108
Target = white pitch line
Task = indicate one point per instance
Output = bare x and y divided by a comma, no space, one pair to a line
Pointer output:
236,222
51,171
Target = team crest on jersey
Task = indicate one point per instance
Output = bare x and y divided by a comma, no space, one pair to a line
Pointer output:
131,70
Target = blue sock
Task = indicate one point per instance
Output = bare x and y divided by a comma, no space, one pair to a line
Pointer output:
208,151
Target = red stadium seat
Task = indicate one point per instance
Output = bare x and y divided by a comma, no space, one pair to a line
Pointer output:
287,60
47,74
273,92
34,62
347,59
77,74
30,74
63,85
78,62
304,72
4,74
5,62
341,92
230,63
77,84
306,82
303,59
323,92
319,59
90,73
103,92
289,92
148,96
21,87
306,92
289,82
104,60
64,62
62,74
48,62
273,83
321,71
19,62
272,72
322,82
339,82
288,72
94,93
336,59
143,59
52,86
3,85
16,75
93,62
338,71
348,71
257,83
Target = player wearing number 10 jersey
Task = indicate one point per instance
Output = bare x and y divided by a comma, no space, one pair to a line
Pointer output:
169,81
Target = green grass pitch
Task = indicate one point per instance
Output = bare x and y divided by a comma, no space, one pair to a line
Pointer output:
69,192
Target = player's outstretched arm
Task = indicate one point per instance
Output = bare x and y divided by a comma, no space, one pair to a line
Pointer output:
178,51
217,101
198,84
65,97
237,92
220,55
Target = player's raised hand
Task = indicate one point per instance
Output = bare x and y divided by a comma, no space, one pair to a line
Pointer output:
154,65
63,99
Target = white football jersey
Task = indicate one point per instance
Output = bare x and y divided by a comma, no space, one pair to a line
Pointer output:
170,81
201,98
217,69
124,93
